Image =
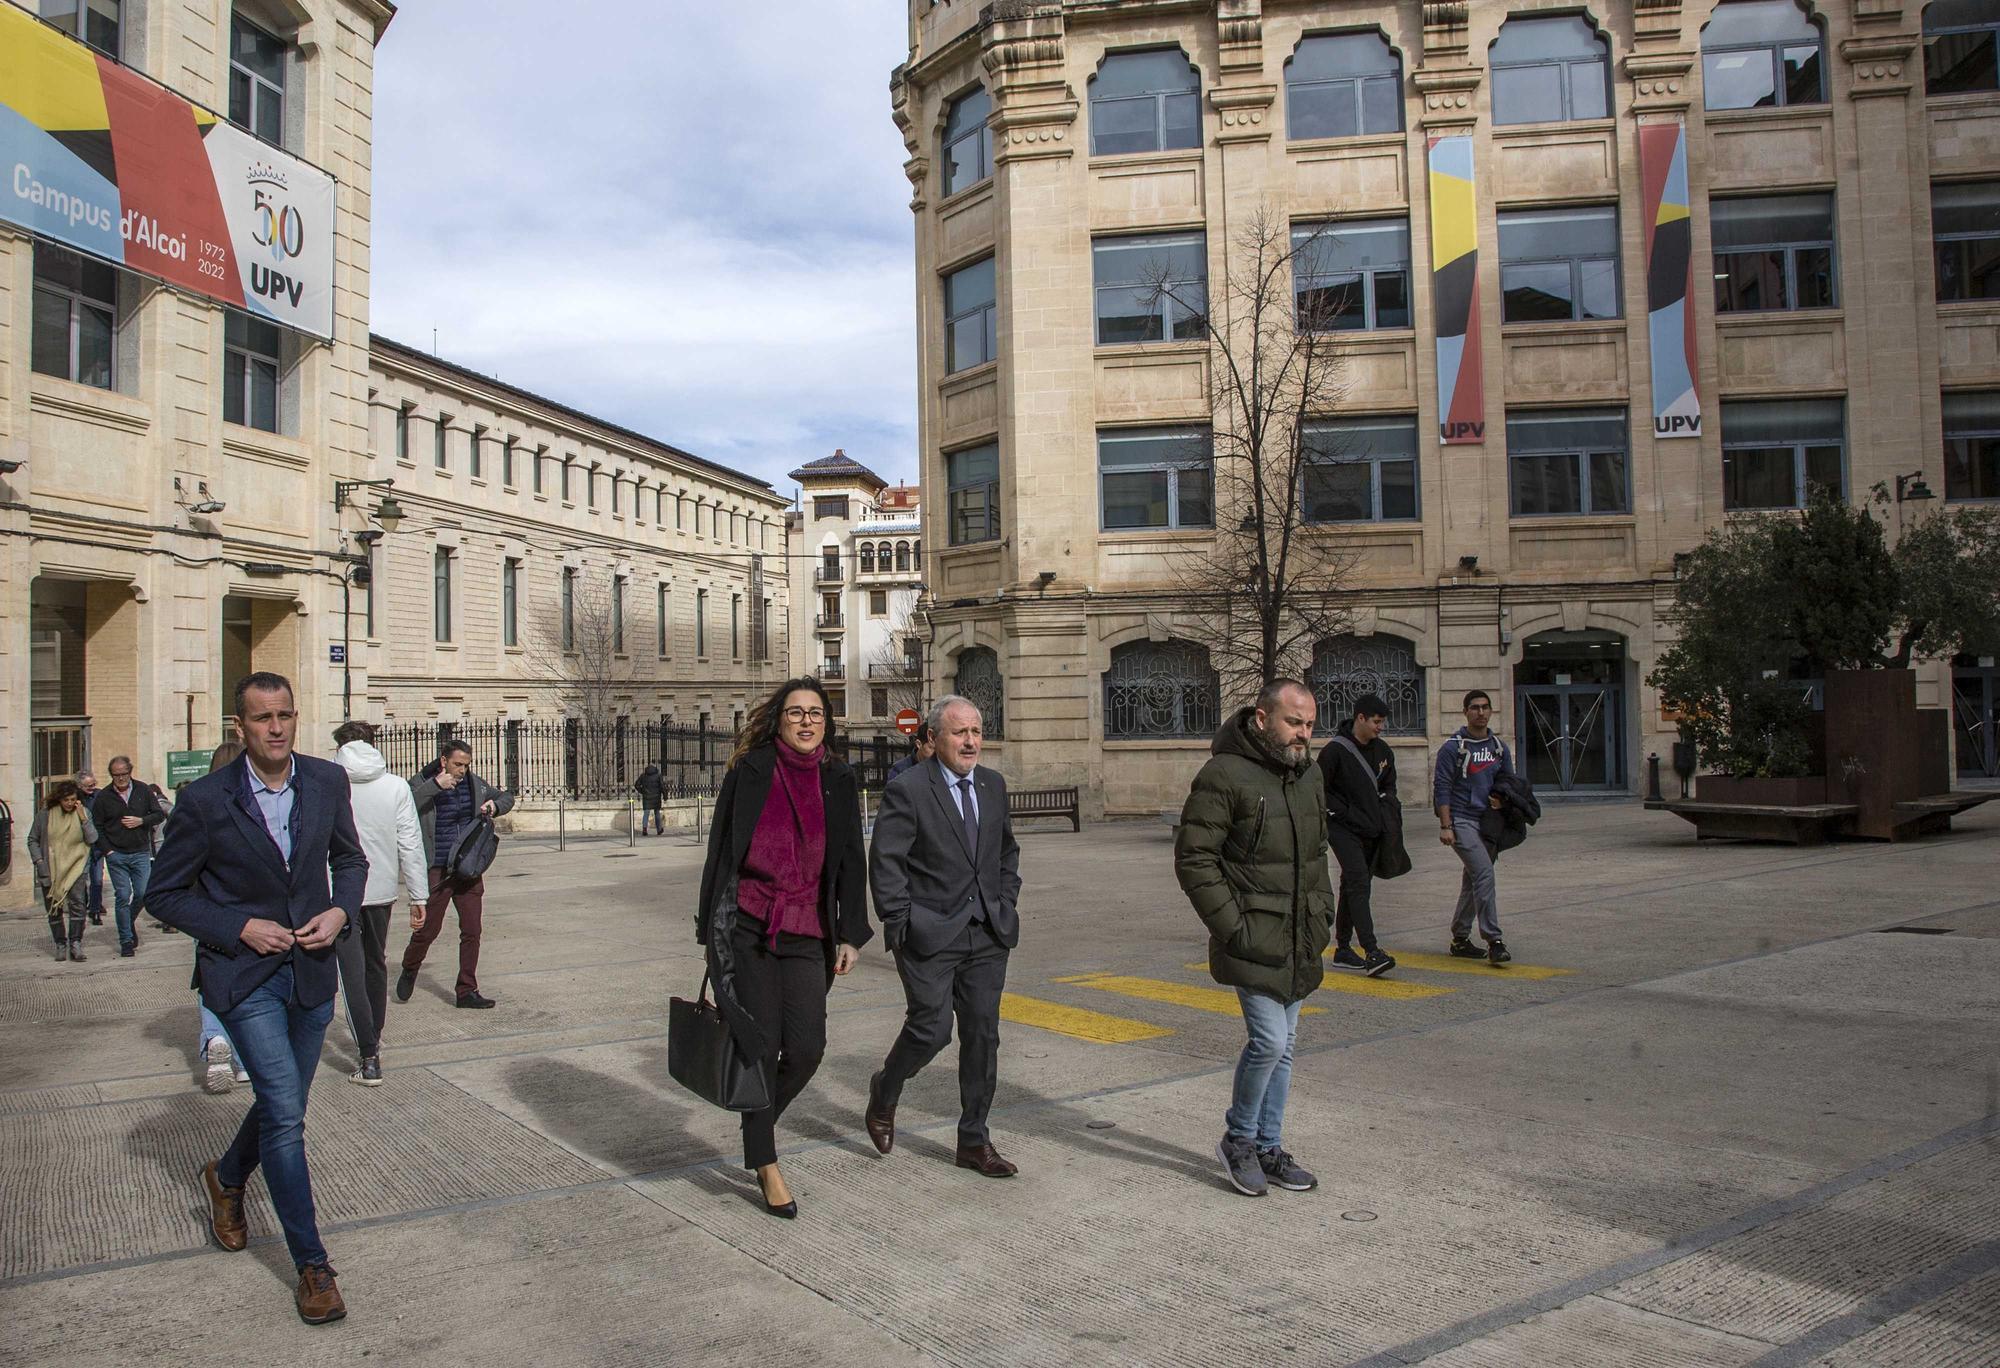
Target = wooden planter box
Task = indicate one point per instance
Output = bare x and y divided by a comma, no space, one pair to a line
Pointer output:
1720,788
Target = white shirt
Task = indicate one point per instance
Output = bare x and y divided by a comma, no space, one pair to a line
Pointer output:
961,797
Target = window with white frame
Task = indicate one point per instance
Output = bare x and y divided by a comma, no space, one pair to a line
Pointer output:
252,362
1558,265
867,557
1959,46
96,22
75,317
968,141
878,603
1352,275
972,493
1343,85
1361,470
1568,461
1549,69
1148,101
1773,252
1760,53
1777,452
970,337
257,62
1965,230
1972,445
1159,477
1150,288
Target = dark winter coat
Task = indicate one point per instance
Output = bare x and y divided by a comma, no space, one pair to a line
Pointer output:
843,880
1506,826
1251,857
424,788
1354,793
649,785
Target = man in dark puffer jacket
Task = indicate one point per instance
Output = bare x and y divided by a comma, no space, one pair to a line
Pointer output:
1251,856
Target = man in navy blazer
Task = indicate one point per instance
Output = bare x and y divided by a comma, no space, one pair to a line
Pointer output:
244,870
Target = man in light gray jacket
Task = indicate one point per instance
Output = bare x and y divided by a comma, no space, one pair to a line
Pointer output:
385,817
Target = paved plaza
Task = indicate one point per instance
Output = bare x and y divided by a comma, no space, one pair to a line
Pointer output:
1726,1109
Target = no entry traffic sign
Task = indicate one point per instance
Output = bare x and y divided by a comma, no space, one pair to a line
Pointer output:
907,721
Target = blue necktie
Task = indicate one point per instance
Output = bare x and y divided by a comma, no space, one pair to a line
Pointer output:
965,810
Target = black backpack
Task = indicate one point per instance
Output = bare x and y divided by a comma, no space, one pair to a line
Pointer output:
472,853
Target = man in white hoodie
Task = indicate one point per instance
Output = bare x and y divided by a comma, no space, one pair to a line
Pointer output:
385,817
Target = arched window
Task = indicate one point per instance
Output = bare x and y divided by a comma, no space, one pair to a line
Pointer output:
1144,102
867,558
1346,667
1160,689
1756,53
1960,37
902,556
1550,70
978,679
1341,85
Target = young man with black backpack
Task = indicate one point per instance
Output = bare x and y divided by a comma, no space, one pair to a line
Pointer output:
1359,770
452,802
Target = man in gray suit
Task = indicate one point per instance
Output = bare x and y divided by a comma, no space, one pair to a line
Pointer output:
945,872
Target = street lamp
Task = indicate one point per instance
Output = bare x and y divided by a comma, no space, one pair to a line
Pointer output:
1912,487
388,516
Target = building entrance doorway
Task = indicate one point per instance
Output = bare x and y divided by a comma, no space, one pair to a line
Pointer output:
1569,692
1975,698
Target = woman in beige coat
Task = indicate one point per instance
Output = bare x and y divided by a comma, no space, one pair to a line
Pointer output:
59,843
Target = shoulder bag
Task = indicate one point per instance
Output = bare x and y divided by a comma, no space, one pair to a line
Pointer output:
704,1058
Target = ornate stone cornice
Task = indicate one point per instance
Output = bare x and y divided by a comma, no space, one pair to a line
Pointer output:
1659,80
1033,106
1881,65
1656,21
1878,13
1445,27
1239,27
1448,94
1244,112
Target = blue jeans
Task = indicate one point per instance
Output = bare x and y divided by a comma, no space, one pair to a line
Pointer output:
130,872
95,904
1264,1070
211,1024
277,1043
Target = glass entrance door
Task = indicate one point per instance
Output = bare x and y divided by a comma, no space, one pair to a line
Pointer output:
1975,695
1569,735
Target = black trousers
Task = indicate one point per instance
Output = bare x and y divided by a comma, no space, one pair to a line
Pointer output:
785,990
363,954
1357,856
963,979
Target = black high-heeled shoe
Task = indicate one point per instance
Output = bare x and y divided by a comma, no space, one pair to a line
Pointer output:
788,1211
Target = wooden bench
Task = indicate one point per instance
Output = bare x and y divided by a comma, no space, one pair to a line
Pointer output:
1803,824
1054,802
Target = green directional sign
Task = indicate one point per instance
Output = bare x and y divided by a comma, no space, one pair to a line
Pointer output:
184,767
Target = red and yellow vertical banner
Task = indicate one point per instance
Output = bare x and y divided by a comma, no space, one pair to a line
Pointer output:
1455,291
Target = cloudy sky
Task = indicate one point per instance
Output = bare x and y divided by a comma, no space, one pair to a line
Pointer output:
689,218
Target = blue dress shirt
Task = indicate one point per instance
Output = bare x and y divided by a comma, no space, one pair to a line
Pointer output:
275,805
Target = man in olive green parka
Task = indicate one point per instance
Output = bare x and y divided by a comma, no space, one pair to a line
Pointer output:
1251,857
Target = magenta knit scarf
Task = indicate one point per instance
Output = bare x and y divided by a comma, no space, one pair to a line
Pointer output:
780,880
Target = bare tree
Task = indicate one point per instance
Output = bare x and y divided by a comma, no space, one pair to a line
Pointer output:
896,664
1271,585
578,645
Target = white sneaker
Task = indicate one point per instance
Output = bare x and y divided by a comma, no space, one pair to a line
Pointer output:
218,1077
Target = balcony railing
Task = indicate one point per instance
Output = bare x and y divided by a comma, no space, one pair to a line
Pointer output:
828,574
832,669
830,622
907,669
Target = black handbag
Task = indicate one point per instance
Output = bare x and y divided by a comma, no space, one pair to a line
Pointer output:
472,853
705,1059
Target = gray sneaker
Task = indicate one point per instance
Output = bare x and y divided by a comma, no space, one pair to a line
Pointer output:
1283,1170
217,1077
1240,1166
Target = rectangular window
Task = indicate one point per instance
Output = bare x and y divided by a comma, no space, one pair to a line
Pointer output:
1972,445
969,336
510,602
590,488
475,463
403,433
878,701
76,317
507,463
257,80
94,21
1570,461
440,451
660,506
660,619
615,482
968,142
618,615
535,478
251,352
569,608
1965,225
567,466
701,622
1150,289
836,702
441,594
1353,275
369,571
1156,478
1773,252
972,493
679,505
825,506
736,626
878,603
1558,264
1361,470
1776,452
1959,48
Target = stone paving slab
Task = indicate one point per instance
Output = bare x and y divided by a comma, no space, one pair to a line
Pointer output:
1958,1330
1592,1333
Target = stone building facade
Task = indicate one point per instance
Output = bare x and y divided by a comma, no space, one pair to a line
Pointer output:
856,574
162,521
1600,277
550,563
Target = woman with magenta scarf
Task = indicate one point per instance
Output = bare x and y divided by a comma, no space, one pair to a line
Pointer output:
784,902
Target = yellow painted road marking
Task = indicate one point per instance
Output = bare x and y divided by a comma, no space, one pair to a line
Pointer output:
1452,964
1222,1001
1395,990
1079,1022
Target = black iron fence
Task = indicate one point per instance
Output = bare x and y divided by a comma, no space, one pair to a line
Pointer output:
548,760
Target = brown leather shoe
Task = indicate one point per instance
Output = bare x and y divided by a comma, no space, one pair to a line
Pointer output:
985,1160
880,1120
318,1296
225,1211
